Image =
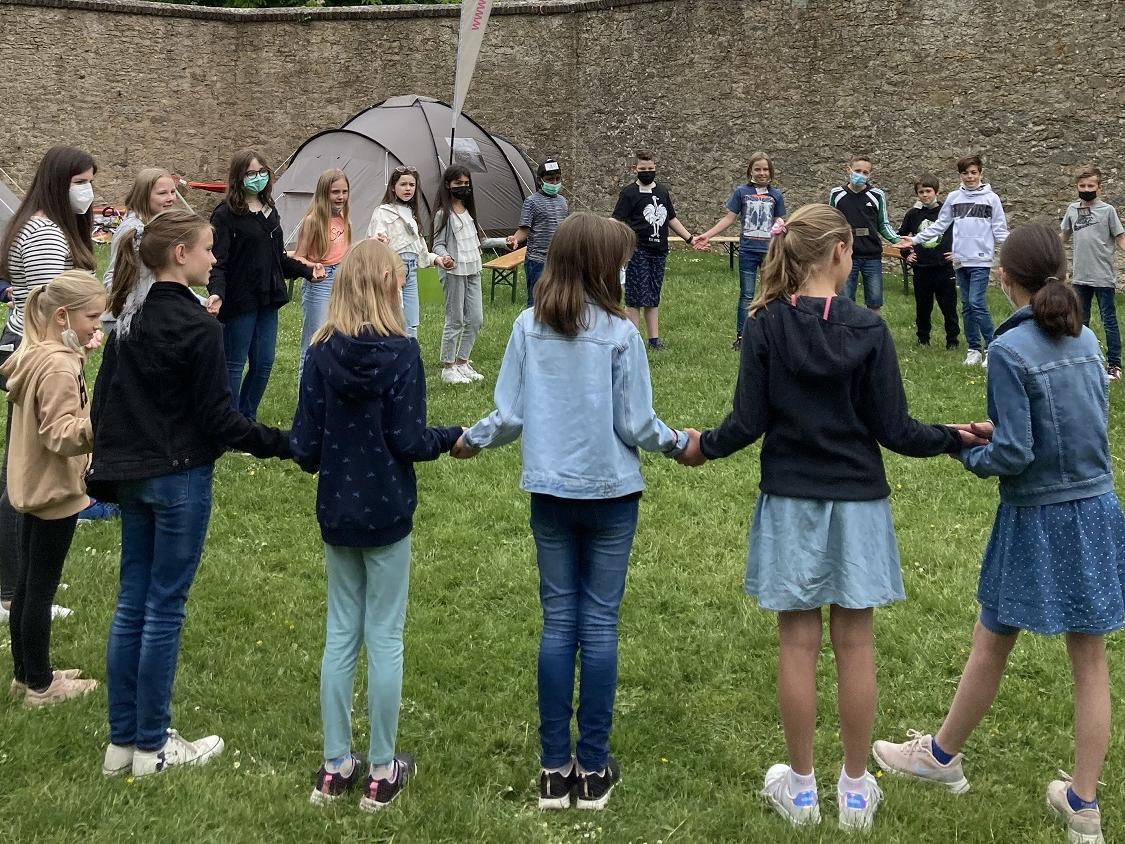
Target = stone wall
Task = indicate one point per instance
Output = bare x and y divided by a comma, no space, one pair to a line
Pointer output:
1036,85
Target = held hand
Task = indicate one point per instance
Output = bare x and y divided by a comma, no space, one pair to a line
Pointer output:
318,272
912,258
214,303
969,439
949,257
96,340
984,430
905,243
447,263
512,242
462,451
702,243
691,455
382,238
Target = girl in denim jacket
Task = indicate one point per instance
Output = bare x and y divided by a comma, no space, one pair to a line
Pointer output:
1056,560
575,383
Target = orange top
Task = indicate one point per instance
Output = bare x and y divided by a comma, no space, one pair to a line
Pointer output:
337,243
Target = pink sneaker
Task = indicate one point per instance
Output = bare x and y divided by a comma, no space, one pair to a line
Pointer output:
915,759
61,689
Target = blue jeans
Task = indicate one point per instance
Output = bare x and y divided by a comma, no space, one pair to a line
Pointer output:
973,282
582,547
748,263
250,337
410,307
531,271
872,269
314,310
367,590
1107,308
163,524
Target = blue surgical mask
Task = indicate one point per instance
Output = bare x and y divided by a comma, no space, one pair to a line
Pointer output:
256,184
858,180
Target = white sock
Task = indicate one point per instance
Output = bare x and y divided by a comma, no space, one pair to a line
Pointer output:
336,766
857,785
565,770
800,782
384,772
582,770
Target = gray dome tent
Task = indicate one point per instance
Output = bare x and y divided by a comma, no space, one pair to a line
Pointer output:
9,202
411,131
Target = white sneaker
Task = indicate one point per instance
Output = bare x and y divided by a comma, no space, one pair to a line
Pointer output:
984,361
915,758
469,372
973,358
799,809
176,752
118,759
454,375
857,811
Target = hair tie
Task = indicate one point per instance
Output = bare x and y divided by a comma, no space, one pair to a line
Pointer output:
1052,278
779,228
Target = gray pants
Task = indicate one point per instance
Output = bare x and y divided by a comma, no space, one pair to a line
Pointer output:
464,314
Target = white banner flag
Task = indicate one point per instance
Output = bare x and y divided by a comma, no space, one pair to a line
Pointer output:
474,18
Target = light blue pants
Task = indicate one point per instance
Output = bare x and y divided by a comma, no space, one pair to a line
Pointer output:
314,309
367,590
410,293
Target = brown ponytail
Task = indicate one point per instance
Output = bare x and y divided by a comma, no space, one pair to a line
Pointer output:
806,242
157,239
1033,258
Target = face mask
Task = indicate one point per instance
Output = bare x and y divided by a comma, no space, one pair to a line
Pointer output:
1087,195
81,198
858,180
463,193
256,184
646,177
551,189
70,337
337,210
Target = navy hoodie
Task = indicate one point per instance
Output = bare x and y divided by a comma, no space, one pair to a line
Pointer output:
826,392
361,423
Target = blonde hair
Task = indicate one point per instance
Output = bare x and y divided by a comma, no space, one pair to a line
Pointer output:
365,293
319,218
71,291
810,234
138,199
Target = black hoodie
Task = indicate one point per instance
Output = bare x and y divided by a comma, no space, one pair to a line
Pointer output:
825,392
361,423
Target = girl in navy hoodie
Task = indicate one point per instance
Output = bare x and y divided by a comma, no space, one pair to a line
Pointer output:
361,423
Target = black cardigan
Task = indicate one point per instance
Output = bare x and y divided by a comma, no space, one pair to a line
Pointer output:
251,263
162,398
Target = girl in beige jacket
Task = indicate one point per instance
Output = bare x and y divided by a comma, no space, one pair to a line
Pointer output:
48,453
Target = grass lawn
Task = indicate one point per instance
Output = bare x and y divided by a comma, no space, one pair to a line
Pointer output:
696,720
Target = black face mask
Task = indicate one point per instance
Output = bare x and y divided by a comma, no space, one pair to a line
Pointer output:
462,193
1087,195
646,177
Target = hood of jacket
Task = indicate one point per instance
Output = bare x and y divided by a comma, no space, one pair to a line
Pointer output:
810,345
360,368
24,371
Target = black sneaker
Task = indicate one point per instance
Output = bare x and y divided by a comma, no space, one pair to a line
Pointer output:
329,787
922,342
594,787
379,794
555,788
737,344
952,344
656,345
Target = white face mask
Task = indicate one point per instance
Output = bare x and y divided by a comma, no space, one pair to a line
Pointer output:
70,337
81,198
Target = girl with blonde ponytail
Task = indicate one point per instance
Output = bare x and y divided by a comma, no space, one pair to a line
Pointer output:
47,458
819,379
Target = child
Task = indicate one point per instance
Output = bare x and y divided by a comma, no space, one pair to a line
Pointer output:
247,285
539,219
933,266
759,203
363,366
1056,560
458,241
153,191
646,207
1095,228
396,222
979,225
819,378
865,208
48,234
162,416
49,444
325,235
575,384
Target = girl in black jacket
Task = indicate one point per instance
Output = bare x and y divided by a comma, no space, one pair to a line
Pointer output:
247,283
162,415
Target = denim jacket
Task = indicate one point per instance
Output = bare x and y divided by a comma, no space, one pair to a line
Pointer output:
583,405
1049,400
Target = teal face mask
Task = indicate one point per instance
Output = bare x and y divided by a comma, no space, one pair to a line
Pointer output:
256,184
551,189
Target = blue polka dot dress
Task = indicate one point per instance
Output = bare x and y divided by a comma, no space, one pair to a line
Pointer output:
1057,568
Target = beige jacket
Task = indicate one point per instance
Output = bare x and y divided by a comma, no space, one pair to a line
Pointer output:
48,451
401,229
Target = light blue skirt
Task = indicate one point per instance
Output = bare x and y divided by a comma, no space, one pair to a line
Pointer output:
806,553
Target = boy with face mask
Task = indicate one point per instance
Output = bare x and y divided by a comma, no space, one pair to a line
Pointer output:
540,216
1095,227
933,265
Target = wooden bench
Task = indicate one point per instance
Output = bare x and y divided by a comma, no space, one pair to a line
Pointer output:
506,272
731,243
907,269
